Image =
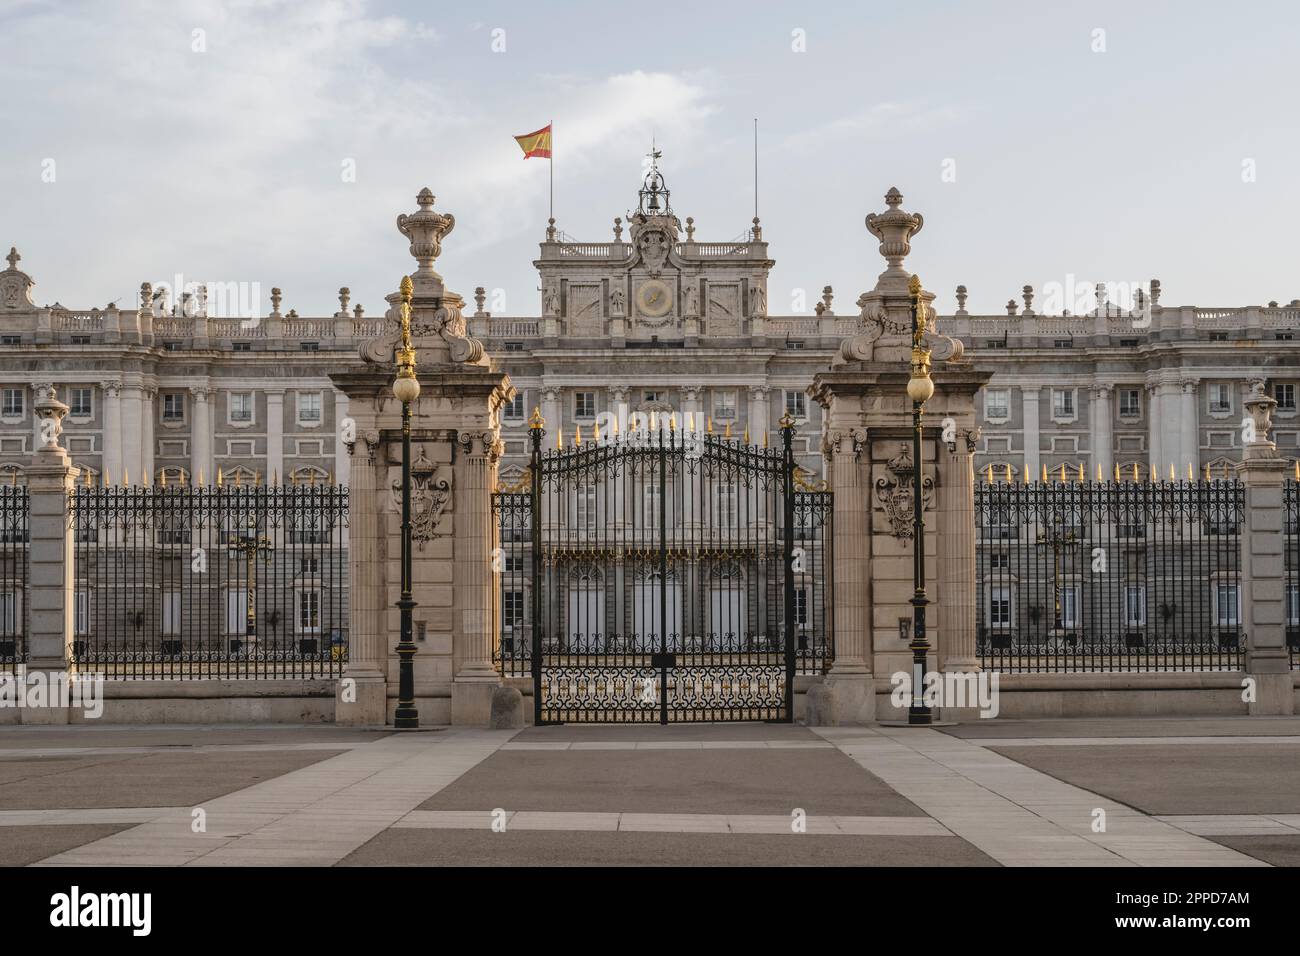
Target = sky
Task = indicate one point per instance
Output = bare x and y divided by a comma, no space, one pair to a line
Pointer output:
275,142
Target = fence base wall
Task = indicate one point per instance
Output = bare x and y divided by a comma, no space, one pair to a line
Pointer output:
1036,696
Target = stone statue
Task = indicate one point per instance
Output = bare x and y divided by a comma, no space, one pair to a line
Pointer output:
550,300
692,300
757,301
616,301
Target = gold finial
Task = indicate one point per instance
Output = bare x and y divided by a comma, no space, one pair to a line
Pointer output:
1062,471
672,421
988,478
1172,476
1117,471
746,434
727,432
181,479
614,426
13,478
1152,466
764,437
1044,472
1208,478
536,421
162,478
559,438
787,421
407,288
1191,472
709,421
275,477
1081,471
1010,478
148,477
219,480
126,478
1026,472
1297,469
1135,471
199,482
257,478
690,421
577,436
595,432
1099,471
914,285
654,421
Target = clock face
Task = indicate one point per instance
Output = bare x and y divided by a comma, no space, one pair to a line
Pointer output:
654,298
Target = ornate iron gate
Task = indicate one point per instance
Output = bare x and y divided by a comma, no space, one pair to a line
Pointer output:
663,575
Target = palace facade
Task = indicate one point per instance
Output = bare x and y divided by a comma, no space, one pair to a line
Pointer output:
652,320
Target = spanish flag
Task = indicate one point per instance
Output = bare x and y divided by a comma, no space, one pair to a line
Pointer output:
536,144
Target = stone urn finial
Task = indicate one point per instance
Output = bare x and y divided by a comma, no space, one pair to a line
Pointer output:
895,229
50,412
425,230
1259,406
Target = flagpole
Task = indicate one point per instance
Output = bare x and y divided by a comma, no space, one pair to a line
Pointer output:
552,159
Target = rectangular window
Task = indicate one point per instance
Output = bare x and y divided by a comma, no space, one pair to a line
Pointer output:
11,340
1062,403
12,403
724,505
514,410
241,406
651,502
241,346
236,612
584,404
999,561
1063,343
171,346
309,346
80,340
724,405
309,565
1070,606
1130,402
801,608
173,407
997,404
514,346
9,613
171,613
309,407
1284,392
308,612
1135,605
1220,397
585,506
79,402
1227,604
1293,605
512,610
999,609
82,618
796,405
651,397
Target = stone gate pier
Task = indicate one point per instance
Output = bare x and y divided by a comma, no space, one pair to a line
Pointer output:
868,444
456,444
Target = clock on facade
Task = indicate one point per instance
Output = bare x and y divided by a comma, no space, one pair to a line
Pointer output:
654,298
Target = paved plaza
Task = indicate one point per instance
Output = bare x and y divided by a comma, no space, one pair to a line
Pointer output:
1183,792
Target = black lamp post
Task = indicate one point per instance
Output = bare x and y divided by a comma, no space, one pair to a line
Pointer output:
406,389
919,389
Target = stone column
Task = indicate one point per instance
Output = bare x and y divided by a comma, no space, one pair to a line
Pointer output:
475,477
1030,438
1103,433
1189,420
1170,430
956,594
1155,422
849,682
759,418
111,437
50,589
275,433
341,458
147,416
1263,566
551,410
132,435
201,436
362,695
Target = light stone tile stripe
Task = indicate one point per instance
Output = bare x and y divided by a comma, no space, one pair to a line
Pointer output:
670,745
314,816
1236,824
510,820
181,749
25,818
1017,815
1117,741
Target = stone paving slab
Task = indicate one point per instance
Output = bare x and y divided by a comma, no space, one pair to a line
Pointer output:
1165,779
140,780
1014,813
1129,727
758,780
418,847
313,817
566,733
23,845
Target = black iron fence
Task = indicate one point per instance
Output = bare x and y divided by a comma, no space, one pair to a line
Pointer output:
1109,576
187,582
14,511
1291,512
